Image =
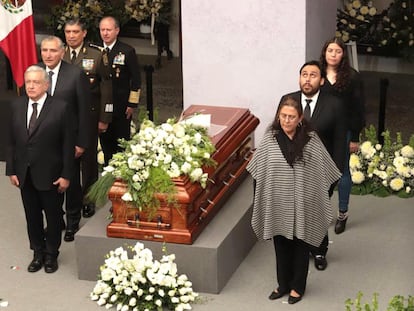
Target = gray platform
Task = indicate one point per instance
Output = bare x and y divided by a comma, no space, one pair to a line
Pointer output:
209,262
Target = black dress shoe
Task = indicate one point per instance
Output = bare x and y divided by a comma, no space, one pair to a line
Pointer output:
292,300
51,265
276,295
70,235
340,225
320,262
88,210
35,265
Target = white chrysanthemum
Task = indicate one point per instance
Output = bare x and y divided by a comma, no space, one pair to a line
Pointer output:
127,197
184,298
403,171
367,150
364,10
107,274
109,169
372,11
179,130
356,4
167,158
101,302
196,174
167,127
354,162
128,291
357,177
397,184
399,161
133,302
408,189
381,174
185,167
407,151
136,178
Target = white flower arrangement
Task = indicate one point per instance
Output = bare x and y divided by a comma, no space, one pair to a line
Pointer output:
141,10
141,283
383,169
388,32
153,158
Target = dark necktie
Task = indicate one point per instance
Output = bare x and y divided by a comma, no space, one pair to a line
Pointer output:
307,111
49,89
72,60
33,118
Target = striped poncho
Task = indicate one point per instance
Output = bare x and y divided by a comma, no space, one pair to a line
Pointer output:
292,201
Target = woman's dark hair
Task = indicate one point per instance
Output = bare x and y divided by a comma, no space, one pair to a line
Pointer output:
343,71
301,137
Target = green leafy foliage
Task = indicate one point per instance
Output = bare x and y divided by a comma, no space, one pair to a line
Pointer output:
397,303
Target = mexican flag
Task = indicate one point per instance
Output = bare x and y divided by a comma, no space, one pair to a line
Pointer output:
17,38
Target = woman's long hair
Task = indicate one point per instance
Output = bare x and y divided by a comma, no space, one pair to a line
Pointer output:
301,136
343,71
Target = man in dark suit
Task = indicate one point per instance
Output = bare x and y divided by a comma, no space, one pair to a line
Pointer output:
70,84
326,115
88,58
40,162
122,61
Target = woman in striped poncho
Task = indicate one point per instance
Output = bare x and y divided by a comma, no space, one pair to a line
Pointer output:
292,172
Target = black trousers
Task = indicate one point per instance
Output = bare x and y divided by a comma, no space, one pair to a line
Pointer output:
323,248
120,127
89,162
36,203
74,199
292,264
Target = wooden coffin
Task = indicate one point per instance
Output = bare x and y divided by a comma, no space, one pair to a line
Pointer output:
182,221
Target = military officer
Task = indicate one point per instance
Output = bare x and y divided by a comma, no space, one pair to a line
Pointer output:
88,58
123,65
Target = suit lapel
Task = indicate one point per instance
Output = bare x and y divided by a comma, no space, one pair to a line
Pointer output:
60,74
318,107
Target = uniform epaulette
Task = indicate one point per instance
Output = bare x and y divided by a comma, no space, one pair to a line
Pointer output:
100,48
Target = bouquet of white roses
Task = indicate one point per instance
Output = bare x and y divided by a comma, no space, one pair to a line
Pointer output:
141,283
383,169
152,158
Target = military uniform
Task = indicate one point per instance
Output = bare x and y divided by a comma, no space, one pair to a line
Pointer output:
89,60
123,68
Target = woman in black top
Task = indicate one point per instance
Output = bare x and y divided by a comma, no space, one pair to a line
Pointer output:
344,82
